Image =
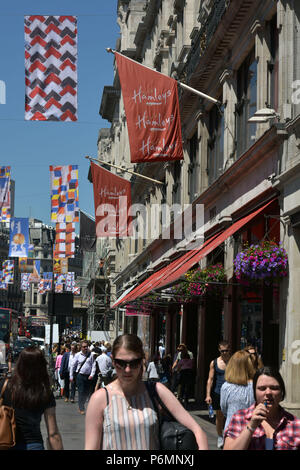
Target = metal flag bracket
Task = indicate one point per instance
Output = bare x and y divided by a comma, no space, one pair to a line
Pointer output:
124,169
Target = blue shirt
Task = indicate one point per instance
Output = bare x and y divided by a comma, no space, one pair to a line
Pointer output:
234,398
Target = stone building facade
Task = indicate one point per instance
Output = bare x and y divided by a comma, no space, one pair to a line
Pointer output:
245,54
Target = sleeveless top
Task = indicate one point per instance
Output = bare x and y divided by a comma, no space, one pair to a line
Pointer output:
130,429
219,377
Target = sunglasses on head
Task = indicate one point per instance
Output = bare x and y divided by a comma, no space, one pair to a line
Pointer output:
134,364
224,350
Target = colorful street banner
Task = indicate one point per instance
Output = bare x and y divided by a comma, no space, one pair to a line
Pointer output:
25,284
59,281
76,290
3,284
112,199
8,271
41,288
64,193
152,112
19,237
45,284
70,282
4,193
35,275
47,278
60,265
64,246
50,68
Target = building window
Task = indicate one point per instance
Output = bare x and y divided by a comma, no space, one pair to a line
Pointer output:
136,236
177,183
192,171
215,154
246,105
273,64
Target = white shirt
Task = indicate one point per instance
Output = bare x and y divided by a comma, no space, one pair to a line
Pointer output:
161,351
151,369
104,363
71,361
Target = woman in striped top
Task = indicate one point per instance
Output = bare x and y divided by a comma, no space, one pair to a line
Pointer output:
121,416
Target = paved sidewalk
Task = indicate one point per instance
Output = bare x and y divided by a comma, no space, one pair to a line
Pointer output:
72,425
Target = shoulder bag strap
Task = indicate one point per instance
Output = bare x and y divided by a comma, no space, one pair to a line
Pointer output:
161,403
151,387
83,362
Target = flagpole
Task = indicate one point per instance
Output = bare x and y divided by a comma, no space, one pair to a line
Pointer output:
183,85
124,169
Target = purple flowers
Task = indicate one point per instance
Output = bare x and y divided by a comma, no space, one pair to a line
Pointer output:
261,262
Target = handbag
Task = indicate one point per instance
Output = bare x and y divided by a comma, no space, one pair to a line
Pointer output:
7,423
172,434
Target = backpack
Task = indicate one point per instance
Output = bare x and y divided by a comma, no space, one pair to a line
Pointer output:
7,423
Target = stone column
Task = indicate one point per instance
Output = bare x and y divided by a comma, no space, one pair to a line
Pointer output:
203,136
262,56
286,22
228,81
290,323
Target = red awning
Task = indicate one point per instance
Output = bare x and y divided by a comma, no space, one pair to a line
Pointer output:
159,276
173,271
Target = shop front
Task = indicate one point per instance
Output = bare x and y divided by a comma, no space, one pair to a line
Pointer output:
255,303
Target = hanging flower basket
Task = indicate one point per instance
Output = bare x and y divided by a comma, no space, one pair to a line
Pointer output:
200,282
266,261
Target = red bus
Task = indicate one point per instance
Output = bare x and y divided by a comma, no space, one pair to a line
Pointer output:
8,326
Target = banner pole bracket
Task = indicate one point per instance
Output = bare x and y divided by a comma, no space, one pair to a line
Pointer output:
183,85
124,169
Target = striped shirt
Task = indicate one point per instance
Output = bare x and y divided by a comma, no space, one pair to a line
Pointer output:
130,429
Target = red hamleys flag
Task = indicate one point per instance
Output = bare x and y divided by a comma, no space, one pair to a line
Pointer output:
152,112
112,198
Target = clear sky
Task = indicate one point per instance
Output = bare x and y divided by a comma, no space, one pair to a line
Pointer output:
29,147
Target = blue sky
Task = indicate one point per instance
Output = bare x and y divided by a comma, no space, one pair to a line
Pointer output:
30,147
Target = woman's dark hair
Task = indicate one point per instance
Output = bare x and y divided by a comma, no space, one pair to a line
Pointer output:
155,358
30,383
130,342
270,372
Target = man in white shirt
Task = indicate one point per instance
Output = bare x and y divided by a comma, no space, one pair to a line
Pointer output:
85,367
105,366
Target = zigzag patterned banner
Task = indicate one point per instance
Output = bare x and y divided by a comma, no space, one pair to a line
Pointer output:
50,68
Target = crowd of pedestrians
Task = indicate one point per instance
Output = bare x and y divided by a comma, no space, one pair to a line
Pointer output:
111,386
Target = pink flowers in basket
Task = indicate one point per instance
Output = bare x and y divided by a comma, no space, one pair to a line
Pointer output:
199,282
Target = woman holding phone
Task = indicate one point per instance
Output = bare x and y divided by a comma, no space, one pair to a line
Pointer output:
265,425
